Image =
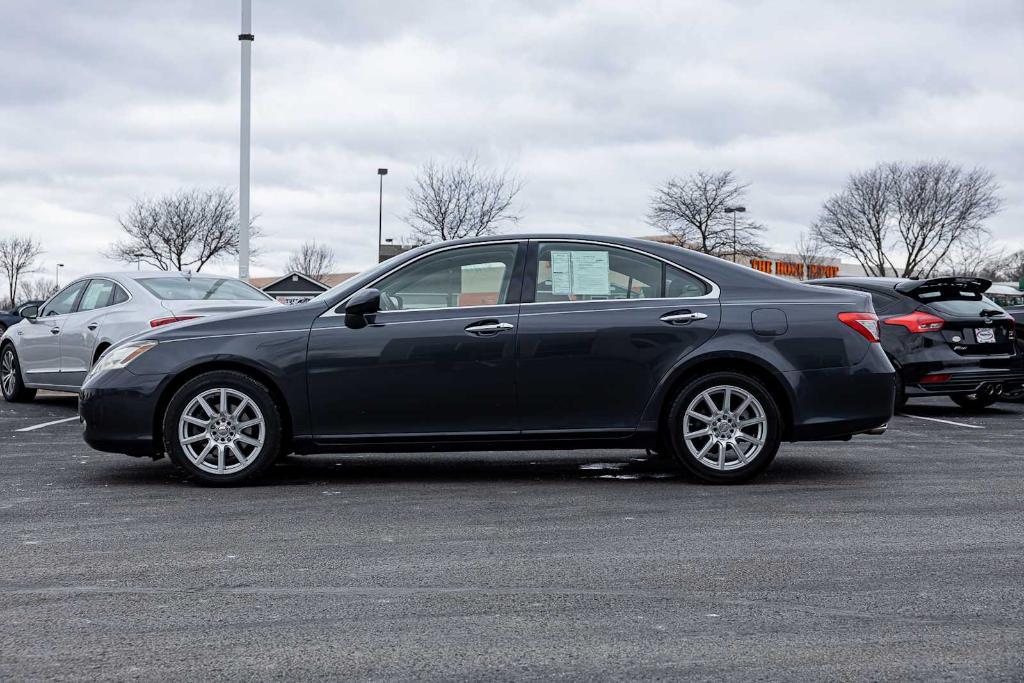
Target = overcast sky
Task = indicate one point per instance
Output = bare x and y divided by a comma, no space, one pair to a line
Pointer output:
594,102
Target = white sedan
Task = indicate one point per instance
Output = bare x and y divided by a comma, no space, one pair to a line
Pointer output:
58,342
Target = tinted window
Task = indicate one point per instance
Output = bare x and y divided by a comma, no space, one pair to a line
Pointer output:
201,289
955,301
679,284
64,301
97,295
120,296
588,272
468,276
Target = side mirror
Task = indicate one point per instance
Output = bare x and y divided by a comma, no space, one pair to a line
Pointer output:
362,304
30,312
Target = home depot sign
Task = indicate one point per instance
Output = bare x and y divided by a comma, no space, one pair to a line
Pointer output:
793,269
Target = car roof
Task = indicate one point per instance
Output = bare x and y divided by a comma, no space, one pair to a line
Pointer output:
147,274
884,283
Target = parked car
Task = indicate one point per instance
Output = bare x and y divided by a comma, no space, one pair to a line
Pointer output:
944,336
1010,392
506,343
13,316
58,341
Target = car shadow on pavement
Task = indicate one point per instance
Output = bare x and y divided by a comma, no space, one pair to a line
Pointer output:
534,468
952,410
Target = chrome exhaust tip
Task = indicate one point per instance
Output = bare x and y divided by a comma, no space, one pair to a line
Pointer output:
878,431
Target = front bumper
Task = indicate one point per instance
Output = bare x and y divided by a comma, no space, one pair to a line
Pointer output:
117,410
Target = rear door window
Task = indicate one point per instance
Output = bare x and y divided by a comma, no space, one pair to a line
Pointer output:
97,295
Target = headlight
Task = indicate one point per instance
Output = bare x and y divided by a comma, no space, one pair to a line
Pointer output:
120,356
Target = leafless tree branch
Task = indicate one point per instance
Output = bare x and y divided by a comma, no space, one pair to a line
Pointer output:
312,259
18,256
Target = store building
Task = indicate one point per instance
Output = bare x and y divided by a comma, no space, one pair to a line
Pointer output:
296,288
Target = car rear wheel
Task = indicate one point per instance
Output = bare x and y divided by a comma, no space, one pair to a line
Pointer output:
978,401
11,384
724,427
222,427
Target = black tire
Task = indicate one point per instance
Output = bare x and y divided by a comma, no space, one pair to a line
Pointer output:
739,471
14,391
242,385
900,401
978,401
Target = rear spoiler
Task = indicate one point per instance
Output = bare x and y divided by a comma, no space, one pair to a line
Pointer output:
975,284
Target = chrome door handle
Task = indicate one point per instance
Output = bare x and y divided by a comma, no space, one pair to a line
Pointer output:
681,318
489,328
92,327
54,330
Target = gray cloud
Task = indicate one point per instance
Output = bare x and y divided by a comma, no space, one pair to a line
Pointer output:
594,101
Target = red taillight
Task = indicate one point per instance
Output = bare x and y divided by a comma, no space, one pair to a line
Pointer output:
934,379
174,319
918,322
864,324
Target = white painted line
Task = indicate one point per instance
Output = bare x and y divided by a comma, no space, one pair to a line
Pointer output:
46,424
947,422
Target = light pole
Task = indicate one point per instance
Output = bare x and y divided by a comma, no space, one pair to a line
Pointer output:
245,38
380,212
734,210
56,277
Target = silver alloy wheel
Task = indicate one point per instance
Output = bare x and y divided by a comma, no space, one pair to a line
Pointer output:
725,427
222,431
8,372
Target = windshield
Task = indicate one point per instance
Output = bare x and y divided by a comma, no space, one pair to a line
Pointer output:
201,289
957,301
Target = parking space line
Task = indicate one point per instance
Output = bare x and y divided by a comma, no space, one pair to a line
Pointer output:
947,422
46,424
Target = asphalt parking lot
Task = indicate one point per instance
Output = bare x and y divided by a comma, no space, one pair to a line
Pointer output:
900,556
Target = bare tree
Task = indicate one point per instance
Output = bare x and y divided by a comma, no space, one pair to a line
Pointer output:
312,259
691,210
461,199
18,255
974,256
905,219
811,251
1012,267
186,229
40,288
856,222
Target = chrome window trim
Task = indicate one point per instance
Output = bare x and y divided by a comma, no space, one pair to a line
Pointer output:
714,293
619,308
116,284
332,312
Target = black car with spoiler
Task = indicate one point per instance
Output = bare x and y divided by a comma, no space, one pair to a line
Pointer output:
944,337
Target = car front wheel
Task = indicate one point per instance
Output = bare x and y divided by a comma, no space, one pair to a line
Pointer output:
724,427
11,384
222,427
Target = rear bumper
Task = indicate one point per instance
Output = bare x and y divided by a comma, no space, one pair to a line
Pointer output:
964,381
834,403
117,419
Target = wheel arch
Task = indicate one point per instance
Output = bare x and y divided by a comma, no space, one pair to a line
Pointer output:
255,372
744,364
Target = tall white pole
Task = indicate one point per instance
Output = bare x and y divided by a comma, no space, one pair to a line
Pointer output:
245,38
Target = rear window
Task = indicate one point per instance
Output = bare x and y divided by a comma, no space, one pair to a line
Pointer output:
956,301
201,289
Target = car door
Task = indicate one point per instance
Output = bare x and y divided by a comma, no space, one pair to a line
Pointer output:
81,330
437,359
600,326
39,341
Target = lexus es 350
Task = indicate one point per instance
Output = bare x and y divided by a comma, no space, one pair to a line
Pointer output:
526,342
57,342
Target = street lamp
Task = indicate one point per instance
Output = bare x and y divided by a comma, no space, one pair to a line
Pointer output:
57,275
734,210
380,211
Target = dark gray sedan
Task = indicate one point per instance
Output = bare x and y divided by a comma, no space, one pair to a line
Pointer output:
543,341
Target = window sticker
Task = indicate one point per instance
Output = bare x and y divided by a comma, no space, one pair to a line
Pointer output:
561,272
580,273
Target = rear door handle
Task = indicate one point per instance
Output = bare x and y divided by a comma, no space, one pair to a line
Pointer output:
92,327
682,318
487,327
54,330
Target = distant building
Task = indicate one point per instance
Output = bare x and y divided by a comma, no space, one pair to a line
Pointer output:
390,250
296,288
